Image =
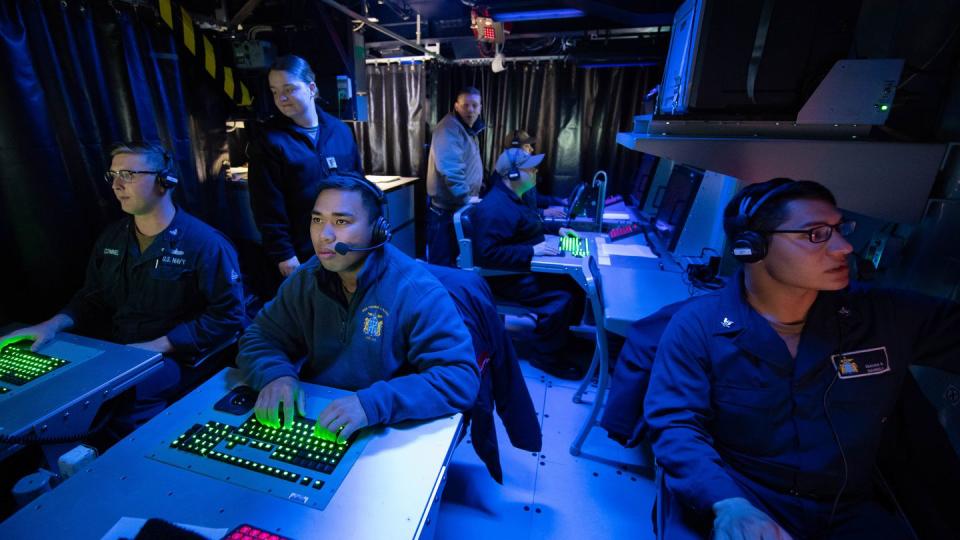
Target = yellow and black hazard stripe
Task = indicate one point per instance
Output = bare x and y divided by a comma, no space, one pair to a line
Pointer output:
200,46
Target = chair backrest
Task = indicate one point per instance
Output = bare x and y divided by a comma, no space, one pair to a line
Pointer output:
464,231
591,275
217,355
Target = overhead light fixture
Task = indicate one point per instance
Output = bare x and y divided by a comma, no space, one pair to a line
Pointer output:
538,15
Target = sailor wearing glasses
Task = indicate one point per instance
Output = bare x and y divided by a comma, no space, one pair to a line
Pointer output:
768,398
159,279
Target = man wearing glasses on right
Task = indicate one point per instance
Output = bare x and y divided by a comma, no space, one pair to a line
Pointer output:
768,398
158,279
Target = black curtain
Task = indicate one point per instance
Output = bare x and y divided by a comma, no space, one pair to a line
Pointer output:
78,76
575,113
391,142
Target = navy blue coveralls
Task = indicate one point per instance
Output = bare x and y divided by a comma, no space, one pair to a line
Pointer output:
505,229
732,414
185,286
286,168
623,413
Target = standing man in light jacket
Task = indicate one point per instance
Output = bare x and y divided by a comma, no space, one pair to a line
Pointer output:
367,318
454,174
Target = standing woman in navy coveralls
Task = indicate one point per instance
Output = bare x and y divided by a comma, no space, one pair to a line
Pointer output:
289,156
767,399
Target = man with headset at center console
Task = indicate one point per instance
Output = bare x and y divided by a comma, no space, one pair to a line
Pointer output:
508,233
366,318
768,398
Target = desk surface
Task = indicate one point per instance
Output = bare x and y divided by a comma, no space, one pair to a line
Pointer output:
633,287
387,183
568,264
618,213
96,371
630,294
388,493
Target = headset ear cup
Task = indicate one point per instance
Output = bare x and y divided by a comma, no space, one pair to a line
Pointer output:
381,227
749,247
741,222
163,178
387,233
381,231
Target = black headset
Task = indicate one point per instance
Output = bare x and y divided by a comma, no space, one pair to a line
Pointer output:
751,246
515,143
513,173
164,178
380,229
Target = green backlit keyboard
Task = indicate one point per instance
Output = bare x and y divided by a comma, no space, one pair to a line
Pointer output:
574,246
297,446
19,365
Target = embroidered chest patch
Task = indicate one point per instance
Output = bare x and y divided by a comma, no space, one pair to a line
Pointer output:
373,318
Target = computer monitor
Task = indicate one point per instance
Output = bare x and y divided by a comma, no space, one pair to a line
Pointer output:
577,202
642,180
730,59
675,205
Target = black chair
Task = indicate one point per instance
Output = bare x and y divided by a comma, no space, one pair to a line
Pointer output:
465,260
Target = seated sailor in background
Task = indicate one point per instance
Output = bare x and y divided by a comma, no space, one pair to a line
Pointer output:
366,318
159,279
508,234
768,398
548,205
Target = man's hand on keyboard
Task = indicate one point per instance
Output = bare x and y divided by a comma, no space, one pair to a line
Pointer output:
555,212
548,247
284,390
342,417
40,334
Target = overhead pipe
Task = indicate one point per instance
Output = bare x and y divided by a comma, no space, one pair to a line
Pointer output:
349,12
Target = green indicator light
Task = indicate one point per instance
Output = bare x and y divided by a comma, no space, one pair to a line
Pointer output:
884,108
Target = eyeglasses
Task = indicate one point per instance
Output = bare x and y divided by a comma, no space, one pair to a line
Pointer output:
822,233
126,177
